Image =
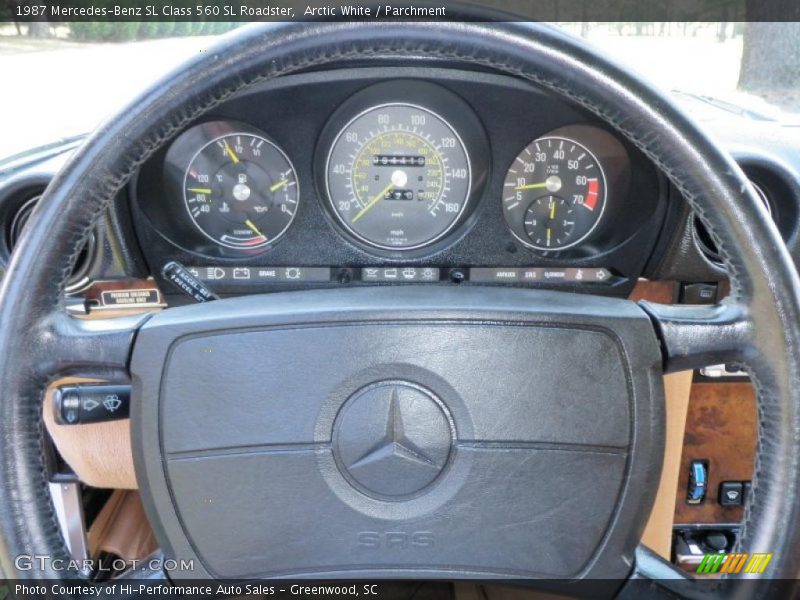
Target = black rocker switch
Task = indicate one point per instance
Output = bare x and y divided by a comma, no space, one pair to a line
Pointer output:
731,493
90,403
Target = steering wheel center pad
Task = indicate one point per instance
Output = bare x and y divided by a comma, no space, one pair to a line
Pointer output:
459,432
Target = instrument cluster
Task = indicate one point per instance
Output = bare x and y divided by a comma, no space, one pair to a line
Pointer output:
402,171
398,175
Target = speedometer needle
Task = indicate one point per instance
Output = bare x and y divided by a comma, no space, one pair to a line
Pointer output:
373,202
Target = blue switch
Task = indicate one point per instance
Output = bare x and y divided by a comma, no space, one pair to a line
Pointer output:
698,482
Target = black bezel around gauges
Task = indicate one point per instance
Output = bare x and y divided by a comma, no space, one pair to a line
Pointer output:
495,117
230,189
401,166
563,190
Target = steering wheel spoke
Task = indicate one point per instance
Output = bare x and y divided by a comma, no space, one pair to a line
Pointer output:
66,345
697,336
653,577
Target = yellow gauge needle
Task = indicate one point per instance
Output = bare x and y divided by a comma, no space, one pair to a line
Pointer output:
548,236
230,152
532,186
552,211
275,187
200,190
373,202
254,229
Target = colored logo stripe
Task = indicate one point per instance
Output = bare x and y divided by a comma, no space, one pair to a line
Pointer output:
734,563
758,563
711,563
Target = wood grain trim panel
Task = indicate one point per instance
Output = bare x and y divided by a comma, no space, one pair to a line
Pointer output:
721,428
654,291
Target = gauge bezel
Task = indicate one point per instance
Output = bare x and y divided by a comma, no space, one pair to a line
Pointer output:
600,216
466,201
271,241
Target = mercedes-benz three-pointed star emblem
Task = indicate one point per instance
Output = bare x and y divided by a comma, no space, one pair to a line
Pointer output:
395,442
392,439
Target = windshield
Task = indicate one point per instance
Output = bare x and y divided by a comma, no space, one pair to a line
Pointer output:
67,78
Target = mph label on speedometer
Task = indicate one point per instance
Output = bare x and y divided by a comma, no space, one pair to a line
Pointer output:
398,176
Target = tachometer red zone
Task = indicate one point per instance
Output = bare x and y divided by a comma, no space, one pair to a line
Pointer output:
592,193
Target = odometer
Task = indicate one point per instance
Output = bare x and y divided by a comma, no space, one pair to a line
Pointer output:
554,194
398,177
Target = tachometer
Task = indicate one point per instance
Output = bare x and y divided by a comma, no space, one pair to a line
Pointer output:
554,194
398,176
241,191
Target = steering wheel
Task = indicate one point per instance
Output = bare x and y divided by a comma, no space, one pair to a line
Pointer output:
481,477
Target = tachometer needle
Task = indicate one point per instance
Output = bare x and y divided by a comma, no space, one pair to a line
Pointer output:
200,190
532,186
230,152
373,202
253,228
276,186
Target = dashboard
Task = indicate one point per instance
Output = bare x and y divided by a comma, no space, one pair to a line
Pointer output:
419,174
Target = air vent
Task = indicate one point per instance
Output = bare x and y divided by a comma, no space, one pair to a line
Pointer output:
703,238
17,227
19,221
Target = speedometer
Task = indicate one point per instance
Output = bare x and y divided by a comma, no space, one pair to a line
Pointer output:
398,176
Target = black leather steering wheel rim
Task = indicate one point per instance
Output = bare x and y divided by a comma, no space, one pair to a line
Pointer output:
756,326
